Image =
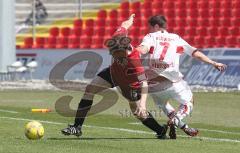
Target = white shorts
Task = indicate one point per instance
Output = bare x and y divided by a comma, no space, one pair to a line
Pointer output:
179,91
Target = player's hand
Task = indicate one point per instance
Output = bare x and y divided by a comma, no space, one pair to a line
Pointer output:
220,66
141,112
128,23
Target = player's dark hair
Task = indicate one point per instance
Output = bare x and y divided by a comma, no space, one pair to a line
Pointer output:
118,43
160,20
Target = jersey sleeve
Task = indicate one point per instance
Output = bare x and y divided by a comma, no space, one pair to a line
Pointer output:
188,49
147,41
121,31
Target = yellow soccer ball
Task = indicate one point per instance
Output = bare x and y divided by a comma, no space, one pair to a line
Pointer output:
34,130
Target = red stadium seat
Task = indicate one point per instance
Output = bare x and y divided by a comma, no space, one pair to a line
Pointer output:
113,23
54,32
203,13
89,23
180,31
146,5
65,32
215,4
40,42
235,21
199,41
236,4
181,13
226,13
215,13
124,6
113,14
214,22
213,31
223,31
86,42
157,7
28,42
180,5
189,39
135,32
220,42
98,42
225,22
202,31
171,23
18,46
168,5
210,41
137,23
231,41
136,6
76,32
77,23
100,22
180,22
234,31
74,42
190,31
169,13
51,42
88,31
124,14
203,22
236,13
147,13
193,5
192,22
62,42
226,4
100,32
192,13
102,14
203,4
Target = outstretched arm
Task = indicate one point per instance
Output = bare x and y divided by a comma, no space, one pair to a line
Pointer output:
200,56
141,110
128,23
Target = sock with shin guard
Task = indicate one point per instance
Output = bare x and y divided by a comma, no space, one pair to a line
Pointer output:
83,108
152,124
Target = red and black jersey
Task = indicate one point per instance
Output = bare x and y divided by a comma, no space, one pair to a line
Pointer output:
131,73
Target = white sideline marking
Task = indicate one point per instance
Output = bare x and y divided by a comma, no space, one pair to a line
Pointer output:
122,129
217,131
8,111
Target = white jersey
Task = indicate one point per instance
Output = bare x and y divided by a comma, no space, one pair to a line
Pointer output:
164,53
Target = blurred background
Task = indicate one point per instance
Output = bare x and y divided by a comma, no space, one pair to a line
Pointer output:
48,31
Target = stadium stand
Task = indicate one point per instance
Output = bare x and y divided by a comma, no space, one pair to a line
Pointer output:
205,24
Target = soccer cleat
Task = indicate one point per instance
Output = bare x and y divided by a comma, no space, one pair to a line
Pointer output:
72,130
191,131
172,133
163,133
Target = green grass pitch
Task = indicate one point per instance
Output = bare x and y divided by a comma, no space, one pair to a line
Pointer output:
217,115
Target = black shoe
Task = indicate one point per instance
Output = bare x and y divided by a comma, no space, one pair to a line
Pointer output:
162,135
72,130
172,133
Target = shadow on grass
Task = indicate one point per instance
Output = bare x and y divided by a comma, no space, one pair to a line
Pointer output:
103,138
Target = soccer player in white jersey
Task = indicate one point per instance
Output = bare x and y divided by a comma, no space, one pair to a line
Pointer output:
164,50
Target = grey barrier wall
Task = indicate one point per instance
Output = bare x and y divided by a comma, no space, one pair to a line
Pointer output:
195,72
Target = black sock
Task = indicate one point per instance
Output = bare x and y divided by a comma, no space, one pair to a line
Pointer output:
83,108
152,124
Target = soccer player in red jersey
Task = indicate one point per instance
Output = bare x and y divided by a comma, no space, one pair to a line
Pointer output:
127,73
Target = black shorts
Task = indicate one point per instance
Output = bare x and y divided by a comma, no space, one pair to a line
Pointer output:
128,92
105,74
